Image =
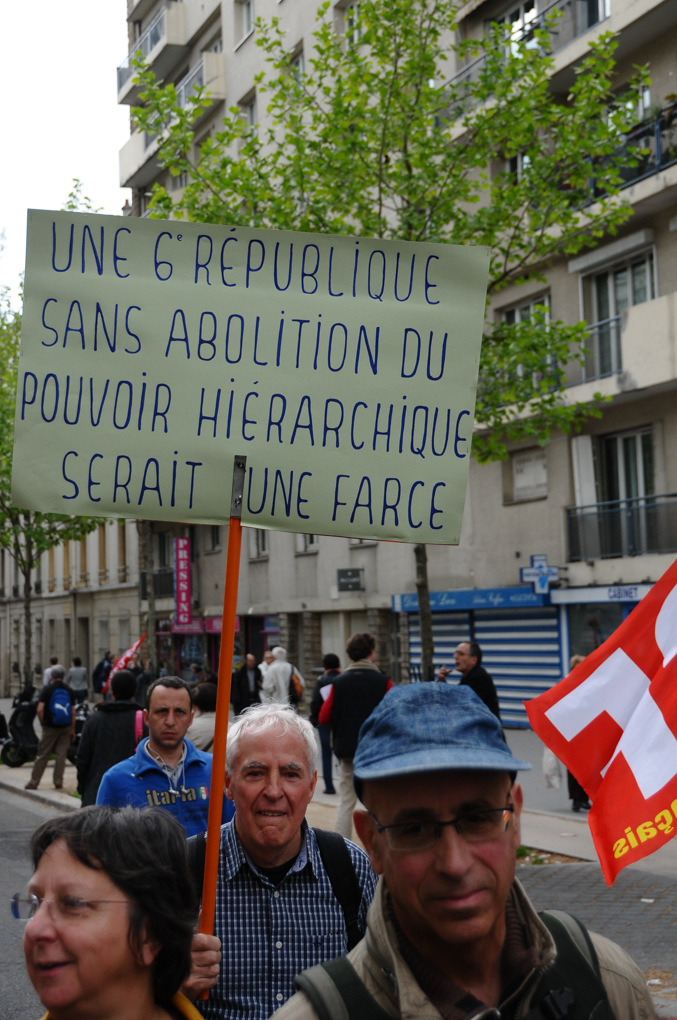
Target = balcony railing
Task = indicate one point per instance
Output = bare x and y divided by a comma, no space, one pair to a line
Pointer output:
164,584
575,18
193,80
626,527
651,145
144,45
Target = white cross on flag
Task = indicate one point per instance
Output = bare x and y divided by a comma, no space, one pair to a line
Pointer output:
613,723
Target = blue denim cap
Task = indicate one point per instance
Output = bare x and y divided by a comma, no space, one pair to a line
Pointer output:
428,727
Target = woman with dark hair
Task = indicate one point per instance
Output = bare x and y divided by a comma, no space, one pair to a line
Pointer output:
110,916
201,730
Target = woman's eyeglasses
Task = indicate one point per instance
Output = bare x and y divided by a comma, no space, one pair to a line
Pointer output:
66,908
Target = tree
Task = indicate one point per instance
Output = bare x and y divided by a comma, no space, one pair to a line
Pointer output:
374,139
26,534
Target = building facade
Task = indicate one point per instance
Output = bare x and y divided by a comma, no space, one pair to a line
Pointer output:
601,506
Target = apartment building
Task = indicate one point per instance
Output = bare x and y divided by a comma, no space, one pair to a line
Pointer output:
85,601
601,506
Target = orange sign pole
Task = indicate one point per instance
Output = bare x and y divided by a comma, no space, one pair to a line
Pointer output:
223,701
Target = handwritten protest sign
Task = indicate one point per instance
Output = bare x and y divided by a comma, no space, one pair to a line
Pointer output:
154,351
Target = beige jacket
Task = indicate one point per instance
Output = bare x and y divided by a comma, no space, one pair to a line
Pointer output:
380,965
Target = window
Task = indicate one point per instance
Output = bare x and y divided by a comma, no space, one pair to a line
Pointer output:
84,573
244,18
164,542
122,552
123,633
352,24
307,543
104,639
297,66
216,46
103,569
529,475
516,165
525,312
249,109
51,569
214,538
258,544
180,181
520,20
628,465
66,565
607,295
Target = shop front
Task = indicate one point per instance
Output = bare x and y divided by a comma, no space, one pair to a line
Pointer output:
199,641
526,638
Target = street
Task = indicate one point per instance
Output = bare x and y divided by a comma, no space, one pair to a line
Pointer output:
19,817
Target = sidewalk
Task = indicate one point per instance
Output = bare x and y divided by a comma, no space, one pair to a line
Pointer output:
14,780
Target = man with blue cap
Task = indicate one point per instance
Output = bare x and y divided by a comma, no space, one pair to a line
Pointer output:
451,933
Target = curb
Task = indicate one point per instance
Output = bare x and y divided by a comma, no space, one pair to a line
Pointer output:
42,797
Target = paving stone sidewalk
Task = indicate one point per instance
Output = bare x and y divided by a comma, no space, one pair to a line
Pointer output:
623,913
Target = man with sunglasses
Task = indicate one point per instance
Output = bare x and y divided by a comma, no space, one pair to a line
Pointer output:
451,932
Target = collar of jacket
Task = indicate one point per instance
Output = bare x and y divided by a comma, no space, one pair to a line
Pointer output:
362,664
143,763
118,706
384,960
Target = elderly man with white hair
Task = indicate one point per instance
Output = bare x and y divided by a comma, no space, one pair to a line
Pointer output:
277,677
288,896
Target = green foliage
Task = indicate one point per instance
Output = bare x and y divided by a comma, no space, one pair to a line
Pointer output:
77,202
25,533
374,140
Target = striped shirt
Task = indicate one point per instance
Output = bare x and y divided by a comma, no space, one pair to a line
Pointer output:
269,934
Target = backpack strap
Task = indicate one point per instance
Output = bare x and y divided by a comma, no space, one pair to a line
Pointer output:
337,993
344,881
197,854
572,987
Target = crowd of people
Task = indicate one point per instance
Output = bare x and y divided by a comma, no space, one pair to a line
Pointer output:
424,919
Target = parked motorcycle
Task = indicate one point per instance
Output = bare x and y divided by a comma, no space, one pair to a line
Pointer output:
23,740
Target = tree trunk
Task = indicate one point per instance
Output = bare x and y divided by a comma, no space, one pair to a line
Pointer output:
424,614
27,563
145,530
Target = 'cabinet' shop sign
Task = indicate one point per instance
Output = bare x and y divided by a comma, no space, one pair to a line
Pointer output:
155,351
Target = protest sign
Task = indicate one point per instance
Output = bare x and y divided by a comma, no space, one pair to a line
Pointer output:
613,723
155,351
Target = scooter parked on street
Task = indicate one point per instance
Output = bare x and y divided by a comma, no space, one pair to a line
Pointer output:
23,740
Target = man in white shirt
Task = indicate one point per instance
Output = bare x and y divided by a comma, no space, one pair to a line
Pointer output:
278,675
47,675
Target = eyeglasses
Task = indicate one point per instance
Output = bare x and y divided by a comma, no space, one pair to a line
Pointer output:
475,827
66,908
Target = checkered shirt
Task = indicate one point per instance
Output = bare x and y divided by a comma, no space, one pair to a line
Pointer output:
270,934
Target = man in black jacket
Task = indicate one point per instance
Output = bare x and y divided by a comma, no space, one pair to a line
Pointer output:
108,736
353,697
246,688
468,659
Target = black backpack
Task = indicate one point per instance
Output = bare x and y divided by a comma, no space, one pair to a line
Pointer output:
337,863
571,989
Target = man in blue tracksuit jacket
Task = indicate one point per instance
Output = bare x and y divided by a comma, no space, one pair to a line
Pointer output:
167,770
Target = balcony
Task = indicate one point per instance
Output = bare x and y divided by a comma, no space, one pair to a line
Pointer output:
164,584
161,46
576,17
138,160
138,9
138,157
656,140
628,527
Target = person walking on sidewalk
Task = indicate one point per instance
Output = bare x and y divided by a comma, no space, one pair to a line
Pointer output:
451,933
56,712
353,697
323,685
76,678
47,678
278,675
110,735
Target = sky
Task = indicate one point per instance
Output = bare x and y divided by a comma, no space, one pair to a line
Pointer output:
60,118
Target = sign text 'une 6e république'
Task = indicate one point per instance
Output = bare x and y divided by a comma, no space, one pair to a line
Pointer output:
154,351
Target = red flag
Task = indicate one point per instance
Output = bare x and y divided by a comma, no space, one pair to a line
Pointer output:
613,723
122,662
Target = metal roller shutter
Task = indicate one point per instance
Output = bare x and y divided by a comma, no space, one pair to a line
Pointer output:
520,649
